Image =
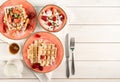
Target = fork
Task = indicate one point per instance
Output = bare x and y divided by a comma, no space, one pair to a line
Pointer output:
72,47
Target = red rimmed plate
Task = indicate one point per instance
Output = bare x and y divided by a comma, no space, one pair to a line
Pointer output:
51,38
31,13
52,18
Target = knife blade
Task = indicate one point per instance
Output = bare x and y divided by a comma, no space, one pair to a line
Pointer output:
67,54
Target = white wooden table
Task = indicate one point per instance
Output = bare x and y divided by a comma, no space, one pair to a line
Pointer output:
96,26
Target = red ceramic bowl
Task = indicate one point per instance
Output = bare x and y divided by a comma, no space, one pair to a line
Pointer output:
52,38
54,22
30,12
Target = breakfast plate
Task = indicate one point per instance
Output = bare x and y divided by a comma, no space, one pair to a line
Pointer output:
17,19
43,52
52,18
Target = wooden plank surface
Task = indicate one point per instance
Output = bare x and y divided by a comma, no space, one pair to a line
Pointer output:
76,2
86,69
79,2
94,15
95,33
97,51
96,27
62,80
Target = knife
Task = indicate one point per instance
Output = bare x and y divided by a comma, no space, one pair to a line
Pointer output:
67,54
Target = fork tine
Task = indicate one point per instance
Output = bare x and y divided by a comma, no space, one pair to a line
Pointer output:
72,42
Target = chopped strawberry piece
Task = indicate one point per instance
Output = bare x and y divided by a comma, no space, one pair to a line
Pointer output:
52,9
46,10
31,15
61,17
54,18
16,20
5,28
36,65
29,27
16,11
41,68
10,18
44,18
37,36
42,57
49,23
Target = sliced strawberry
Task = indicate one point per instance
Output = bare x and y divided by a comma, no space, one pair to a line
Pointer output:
37,36
16,20
44,18
41,68
16,11
49,23
5,28
54,18
46,10
35,65
29,27
42,57
9,18
52,9
61,17
31,15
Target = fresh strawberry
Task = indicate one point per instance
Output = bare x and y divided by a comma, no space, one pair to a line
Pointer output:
54,18
16,20
31,15
16,11
49,23
37,35
44,18
41,68
36,65
10,18
61,17
42,57
5,28
46,10
52,9
29,27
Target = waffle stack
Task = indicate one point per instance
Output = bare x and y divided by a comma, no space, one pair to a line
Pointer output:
43,52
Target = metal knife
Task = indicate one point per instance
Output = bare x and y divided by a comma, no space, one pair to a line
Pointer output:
67,54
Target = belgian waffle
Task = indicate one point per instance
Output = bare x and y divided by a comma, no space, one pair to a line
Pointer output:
43,52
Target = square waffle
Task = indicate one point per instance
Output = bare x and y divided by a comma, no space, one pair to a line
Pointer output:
43,52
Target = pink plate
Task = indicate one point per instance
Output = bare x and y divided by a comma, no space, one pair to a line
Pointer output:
44,20
47,36
31,15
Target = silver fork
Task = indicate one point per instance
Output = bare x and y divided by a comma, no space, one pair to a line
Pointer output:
72,47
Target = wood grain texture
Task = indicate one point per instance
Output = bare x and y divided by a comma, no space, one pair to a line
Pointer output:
95,33
73,3
96,27
60,80
79,2
85,70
